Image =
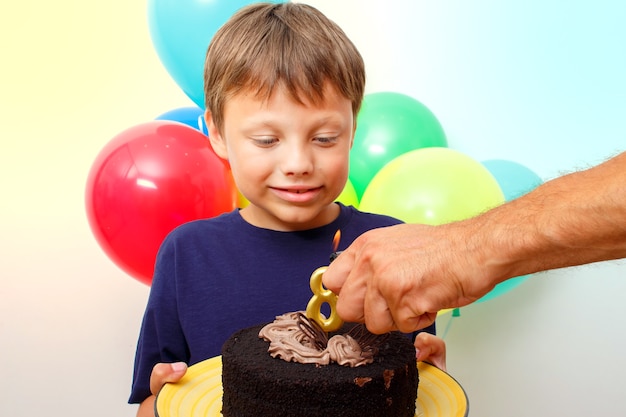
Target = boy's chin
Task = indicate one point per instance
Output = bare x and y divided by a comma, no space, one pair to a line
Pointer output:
292,217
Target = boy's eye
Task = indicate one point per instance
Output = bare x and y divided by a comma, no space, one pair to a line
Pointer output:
265,141
326,140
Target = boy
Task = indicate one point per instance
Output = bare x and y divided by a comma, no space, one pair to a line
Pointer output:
283,86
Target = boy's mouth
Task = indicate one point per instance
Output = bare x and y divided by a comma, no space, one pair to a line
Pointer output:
297,194
299,190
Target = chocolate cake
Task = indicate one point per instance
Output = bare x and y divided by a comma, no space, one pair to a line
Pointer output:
257,384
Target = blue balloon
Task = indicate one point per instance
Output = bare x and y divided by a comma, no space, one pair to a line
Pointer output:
514,179
191,116
181,31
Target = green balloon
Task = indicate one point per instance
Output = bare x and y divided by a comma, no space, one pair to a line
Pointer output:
389,125
432,186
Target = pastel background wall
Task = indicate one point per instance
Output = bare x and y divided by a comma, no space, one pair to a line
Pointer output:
539,83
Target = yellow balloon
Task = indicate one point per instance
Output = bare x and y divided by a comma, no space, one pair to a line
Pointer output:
241,200
348,196
432,186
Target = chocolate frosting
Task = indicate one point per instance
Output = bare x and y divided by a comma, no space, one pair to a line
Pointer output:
293,337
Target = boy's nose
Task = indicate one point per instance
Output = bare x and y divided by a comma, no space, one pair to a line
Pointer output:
297,160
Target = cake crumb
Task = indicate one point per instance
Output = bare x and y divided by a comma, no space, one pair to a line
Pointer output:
388,376
361,381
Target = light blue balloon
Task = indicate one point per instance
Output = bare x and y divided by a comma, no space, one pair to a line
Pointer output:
514,179
191,116
181,31
503,287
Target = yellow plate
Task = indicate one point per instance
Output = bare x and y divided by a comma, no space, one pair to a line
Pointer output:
199,393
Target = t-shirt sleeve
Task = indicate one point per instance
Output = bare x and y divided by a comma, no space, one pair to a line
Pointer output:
161,338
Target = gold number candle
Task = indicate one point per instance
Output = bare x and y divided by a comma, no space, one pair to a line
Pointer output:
322,295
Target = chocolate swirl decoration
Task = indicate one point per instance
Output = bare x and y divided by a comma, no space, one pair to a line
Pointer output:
313,331
368,341
295,337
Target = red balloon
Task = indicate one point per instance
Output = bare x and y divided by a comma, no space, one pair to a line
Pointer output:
146,181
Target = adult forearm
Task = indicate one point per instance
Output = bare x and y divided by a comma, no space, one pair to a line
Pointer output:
399,277
572,220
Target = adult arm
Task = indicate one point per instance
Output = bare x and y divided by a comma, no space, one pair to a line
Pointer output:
399,277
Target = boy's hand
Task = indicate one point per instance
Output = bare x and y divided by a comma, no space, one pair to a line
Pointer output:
431,349
161,374
166,372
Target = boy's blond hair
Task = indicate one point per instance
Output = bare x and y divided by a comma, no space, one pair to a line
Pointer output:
293,45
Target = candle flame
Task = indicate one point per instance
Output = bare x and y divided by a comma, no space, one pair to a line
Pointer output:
336,240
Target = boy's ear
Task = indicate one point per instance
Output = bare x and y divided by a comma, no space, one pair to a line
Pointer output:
217,142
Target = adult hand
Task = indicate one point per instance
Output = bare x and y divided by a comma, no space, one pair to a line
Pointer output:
399,277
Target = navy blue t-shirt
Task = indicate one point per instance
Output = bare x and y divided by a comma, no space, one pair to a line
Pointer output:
216,276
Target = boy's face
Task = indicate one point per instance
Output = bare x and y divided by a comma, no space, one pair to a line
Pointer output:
289,160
